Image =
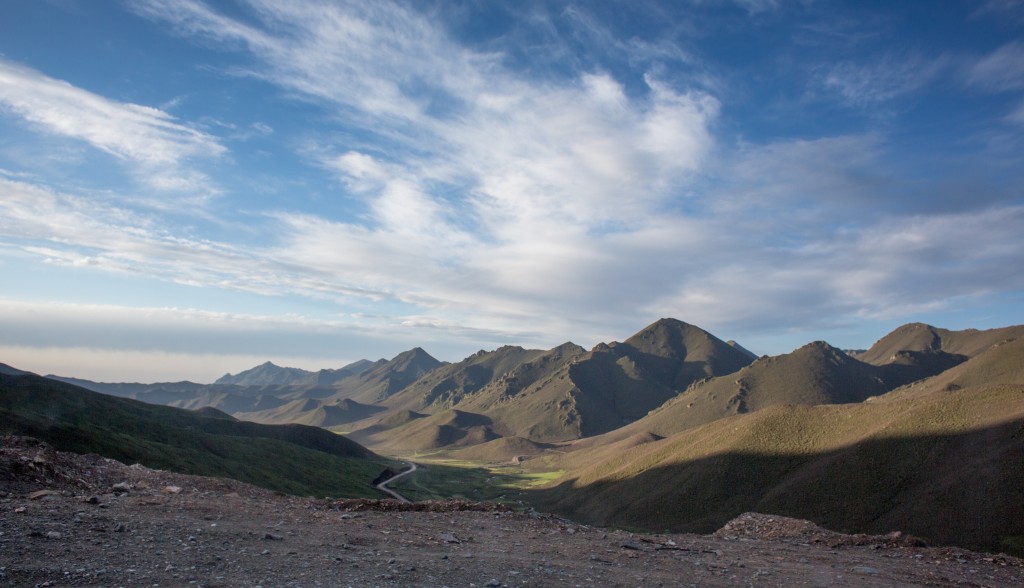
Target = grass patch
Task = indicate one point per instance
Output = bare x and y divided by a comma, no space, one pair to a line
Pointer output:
440,478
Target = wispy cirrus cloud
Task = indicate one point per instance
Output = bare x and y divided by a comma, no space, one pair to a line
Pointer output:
151,141
999,71
871,84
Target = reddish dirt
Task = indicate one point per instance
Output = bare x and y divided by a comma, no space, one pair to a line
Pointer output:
70,520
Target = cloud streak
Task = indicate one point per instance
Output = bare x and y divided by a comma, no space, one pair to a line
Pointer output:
147,137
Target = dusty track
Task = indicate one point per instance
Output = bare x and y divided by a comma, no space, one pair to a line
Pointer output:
383,486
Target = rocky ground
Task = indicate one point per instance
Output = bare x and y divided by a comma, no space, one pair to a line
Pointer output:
70,520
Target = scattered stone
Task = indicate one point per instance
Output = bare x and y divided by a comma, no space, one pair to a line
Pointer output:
120,528
20,509
273,537
493,583
53,535
631,545
172,490
92,500
867,570
42,494
121,488
448,538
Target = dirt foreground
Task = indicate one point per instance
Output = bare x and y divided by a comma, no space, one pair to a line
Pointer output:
70,520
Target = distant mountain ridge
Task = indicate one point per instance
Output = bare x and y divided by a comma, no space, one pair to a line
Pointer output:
675,428
268,374
667,377
564,393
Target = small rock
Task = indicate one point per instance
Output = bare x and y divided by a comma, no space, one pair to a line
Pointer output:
865,570
172,490
448,538
493,583
121,488
53,535
20,509
42,494
630,545
120,528
92,500
273,537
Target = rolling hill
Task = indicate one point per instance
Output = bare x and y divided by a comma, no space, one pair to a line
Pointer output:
293,458
941,459
919,337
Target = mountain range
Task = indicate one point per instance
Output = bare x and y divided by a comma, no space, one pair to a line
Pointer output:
674,428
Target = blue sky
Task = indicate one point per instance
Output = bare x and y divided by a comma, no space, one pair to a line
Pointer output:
189,188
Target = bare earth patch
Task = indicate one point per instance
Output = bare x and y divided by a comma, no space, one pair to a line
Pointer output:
70,520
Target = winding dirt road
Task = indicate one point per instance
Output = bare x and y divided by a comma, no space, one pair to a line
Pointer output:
383,486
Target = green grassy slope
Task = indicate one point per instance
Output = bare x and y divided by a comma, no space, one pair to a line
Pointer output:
294,459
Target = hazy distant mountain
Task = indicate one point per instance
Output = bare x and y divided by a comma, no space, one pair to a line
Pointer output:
268,374
131,389
939,459
385,378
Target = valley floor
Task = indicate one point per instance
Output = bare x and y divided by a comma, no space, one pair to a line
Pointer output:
68,520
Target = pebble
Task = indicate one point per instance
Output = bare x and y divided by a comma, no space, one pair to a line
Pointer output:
865,570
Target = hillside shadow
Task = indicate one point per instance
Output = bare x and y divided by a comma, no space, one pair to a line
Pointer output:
962,489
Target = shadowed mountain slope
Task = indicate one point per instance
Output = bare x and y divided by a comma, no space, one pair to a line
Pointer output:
566,393
324,413
291,458
1001,364
450,428
816,373
942,465
450,385
10,371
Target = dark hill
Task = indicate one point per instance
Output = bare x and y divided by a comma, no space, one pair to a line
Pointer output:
817,373
293,458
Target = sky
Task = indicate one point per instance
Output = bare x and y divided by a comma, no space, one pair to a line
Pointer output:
191,188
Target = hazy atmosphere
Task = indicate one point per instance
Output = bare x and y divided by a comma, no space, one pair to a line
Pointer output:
191,188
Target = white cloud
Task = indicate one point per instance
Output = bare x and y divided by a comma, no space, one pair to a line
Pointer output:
492,200
872,84
1001,70
145,136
